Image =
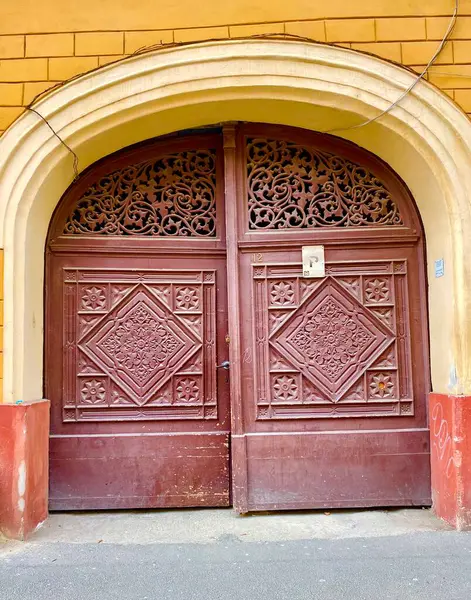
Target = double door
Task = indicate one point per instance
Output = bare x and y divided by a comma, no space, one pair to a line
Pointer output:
189,359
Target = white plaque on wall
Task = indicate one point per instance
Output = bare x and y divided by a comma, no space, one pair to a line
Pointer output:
313,261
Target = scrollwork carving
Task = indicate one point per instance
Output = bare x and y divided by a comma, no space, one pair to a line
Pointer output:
174,195
292,186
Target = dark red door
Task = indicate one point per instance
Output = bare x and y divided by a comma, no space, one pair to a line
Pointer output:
334,369
136,324
328,375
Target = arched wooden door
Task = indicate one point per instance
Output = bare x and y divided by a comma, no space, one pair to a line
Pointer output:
328,374
136,322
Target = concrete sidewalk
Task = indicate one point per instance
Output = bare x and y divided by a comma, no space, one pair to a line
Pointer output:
202,526
214,554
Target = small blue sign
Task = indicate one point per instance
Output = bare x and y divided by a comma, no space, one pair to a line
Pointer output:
439,268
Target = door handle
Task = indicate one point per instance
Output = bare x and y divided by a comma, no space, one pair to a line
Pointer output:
224,365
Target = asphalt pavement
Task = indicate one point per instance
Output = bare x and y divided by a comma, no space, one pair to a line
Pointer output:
415,562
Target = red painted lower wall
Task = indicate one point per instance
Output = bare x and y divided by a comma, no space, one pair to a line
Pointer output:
450,449
24,447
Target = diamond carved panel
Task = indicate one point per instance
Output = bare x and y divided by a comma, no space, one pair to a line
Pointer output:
339,347
141,346
331,338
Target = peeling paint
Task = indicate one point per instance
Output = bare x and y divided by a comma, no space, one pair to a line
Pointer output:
22,478
39,525
453,380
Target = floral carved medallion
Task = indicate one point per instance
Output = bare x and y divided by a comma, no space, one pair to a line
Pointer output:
93,298
331,339
139,345
93,392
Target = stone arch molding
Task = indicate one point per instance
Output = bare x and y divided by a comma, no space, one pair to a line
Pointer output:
427,140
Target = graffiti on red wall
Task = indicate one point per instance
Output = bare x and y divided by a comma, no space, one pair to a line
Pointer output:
441,440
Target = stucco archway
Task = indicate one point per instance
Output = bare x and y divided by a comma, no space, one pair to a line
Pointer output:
427,140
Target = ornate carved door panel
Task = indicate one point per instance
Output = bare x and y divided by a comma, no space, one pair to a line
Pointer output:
335,346
136,325
328,376
334,369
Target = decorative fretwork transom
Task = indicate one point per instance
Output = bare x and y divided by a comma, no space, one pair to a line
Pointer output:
293,186
174,195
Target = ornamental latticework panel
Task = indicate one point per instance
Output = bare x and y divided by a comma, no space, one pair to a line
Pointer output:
293,186
332,347
139,346
174,195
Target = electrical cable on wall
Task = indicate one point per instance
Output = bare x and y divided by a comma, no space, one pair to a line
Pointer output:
407,91
76,160
148,49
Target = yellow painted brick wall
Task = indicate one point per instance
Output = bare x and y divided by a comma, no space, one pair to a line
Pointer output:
42,44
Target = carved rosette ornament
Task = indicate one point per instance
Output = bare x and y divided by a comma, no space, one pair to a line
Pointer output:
174,195
293,186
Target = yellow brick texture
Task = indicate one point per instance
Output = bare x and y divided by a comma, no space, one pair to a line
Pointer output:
437,26
463,98
406,31
12,46
462,52
23,69
451,76
11,94
54,44
419,69
207,33
64,68
419,53
8,114
387,50
106,60
314,30
398,30
32,89
90,44
2,296
136,40
264,29
353,30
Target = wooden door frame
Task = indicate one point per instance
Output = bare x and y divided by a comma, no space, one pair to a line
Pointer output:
238,453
